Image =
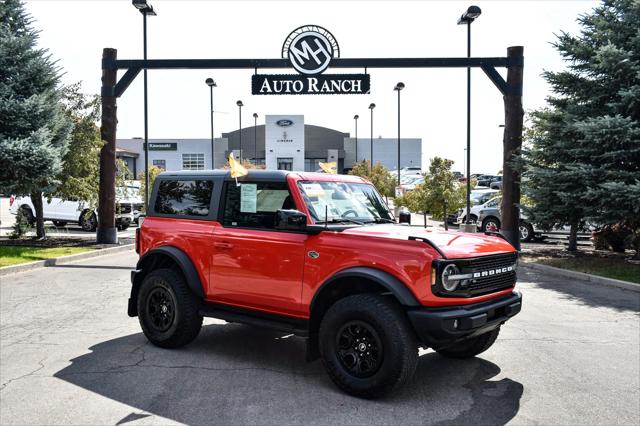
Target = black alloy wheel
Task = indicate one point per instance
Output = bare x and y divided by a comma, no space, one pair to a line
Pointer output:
359,349
161,309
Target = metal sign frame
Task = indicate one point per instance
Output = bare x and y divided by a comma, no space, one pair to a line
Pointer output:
134,66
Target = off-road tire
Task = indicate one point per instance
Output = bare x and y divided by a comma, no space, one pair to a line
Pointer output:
399,354
471,347
186,321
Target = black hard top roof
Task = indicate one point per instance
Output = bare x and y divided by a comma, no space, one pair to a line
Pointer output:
261,174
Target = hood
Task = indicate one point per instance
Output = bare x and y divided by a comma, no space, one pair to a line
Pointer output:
453,244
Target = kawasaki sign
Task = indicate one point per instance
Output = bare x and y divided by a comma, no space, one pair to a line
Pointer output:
310,49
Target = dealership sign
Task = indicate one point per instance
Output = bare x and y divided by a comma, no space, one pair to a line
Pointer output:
324,84
163,146
310,50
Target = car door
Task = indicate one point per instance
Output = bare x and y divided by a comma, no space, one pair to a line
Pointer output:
253,264
67,210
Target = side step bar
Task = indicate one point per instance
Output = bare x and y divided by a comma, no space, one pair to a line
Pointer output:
227,313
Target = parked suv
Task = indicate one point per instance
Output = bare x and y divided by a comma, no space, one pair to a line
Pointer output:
490,220
318,256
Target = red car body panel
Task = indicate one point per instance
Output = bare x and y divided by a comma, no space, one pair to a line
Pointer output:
271,271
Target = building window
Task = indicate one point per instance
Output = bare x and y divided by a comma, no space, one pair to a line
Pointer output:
162,164
313,164
285,163
192,161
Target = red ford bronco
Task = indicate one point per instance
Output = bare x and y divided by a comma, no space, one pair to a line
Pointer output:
319,256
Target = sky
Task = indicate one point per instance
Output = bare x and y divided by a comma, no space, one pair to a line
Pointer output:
433,103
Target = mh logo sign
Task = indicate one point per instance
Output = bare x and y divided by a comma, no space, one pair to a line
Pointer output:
310,49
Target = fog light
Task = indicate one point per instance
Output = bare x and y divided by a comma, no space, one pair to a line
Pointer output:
455,324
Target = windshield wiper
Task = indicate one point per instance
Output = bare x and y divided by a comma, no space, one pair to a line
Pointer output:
381,220
341,220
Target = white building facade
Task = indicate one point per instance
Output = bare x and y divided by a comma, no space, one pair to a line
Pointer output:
284,142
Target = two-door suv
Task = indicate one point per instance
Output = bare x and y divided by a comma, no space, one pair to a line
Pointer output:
319,256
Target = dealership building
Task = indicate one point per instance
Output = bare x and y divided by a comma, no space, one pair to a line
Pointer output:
284,142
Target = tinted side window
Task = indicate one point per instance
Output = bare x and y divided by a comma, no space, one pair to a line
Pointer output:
255,205
184,197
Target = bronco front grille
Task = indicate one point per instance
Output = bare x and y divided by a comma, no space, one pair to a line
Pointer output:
489,274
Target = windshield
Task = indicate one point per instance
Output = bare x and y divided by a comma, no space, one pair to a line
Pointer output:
128,191
344,201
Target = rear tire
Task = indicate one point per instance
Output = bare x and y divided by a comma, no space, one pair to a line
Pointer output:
167,310
367,345
489,224
28,215
471,347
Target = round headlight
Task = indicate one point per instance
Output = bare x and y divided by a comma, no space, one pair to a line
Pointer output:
448,284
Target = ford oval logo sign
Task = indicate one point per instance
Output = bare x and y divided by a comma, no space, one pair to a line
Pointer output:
284,123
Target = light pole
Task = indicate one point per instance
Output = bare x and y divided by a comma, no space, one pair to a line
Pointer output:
255,138
211,85
145,9
371,107
355,117
466,19
240,105
398,88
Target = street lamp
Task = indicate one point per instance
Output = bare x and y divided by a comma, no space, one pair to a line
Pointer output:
255,138
466,19
240,105
145,9
398,88
371,107
211,85
355,117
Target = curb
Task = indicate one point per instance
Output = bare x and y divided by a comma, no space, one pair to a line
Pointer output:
23,267
610,282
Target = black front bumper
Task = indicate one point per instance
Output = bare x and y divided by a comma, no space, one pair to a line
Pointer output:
441,327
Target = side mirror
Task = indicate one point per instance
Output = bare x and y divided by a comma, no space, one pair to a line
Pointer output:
291,220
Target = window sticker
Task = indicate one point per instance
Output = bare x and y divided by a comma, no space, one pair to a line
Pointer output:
313,189
248,197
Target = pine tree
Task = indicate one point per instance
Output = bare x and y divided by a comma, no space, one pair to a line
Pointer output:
584,151
33,126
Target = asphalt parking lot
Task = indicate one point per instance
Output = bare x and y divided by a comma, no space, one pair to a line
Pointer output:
70,354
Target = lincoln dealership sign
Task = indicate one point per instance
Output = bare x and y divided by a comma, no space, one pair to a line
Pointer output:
310,49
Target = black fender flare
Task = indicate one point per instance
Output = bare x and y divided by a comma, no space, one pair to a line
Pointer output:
181,259
385,279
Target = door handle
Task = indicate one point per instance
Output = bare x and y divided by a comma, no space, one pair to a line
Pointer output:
223,245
